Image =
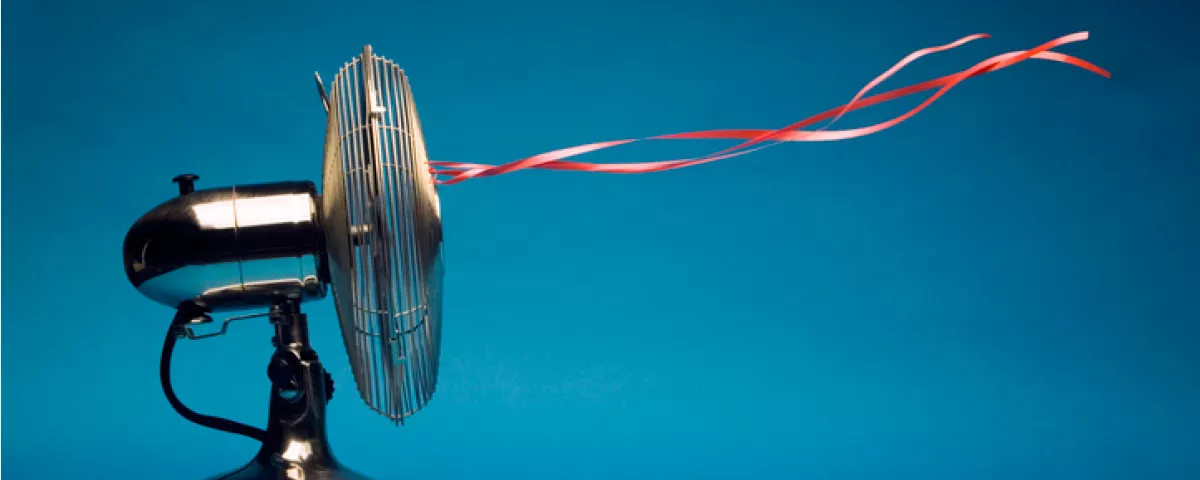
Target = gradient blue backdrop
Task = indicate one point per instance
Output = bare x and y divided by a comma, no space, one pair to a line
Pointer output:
1004,287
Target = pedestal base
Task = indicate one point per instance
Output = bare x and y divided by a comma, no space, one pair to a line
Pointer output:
295,444
258,470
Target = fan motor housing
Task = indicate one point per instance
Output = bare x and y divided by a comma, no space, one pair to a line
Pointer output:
230,248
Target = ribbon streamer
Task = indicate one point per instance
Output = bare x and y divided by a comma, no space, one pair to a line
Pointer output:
754,139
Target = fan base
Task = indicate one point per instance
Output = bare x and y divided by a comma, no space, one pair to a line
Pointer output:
296,446
258,470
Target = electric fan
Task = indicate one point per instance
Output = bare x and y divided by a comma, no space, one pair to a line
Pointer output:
373,234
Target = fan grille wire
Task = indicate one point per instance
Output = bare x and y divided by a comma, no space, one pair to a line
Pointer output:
393,336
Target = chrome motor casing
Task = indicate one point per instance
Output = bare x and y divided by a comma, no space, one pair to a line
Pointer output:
231,248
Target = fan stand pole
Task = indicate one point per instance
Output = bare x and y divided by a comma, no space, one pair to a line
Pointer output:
296,445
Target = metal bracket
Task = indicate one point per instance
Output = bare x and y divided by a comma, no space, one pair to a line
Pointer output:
192,335
321,92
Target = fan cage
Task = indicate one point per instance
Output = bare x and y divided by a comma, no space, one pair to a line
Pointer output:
393,333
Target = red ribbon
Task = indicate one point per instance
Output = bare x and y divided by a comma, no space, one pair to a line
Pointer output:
755,138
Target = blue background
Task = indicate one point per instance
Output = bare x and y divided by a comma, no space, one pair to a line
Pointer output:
1005,286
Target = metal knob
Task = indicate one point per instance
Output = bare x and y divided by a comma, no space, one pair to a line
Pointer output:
187,183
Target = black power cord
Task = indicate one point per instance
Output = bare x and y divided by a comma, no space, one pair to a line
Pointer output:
182,317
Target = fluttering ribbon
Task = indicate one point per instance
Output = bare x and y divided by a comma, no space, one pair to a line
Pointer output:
755,139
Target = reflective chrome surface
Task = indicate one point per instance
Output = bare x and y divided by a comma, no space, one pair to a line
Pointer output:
384,232
230,248
297,444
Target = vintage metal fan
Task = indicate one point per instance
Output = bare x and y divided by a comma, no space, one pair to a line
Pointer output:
373,234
